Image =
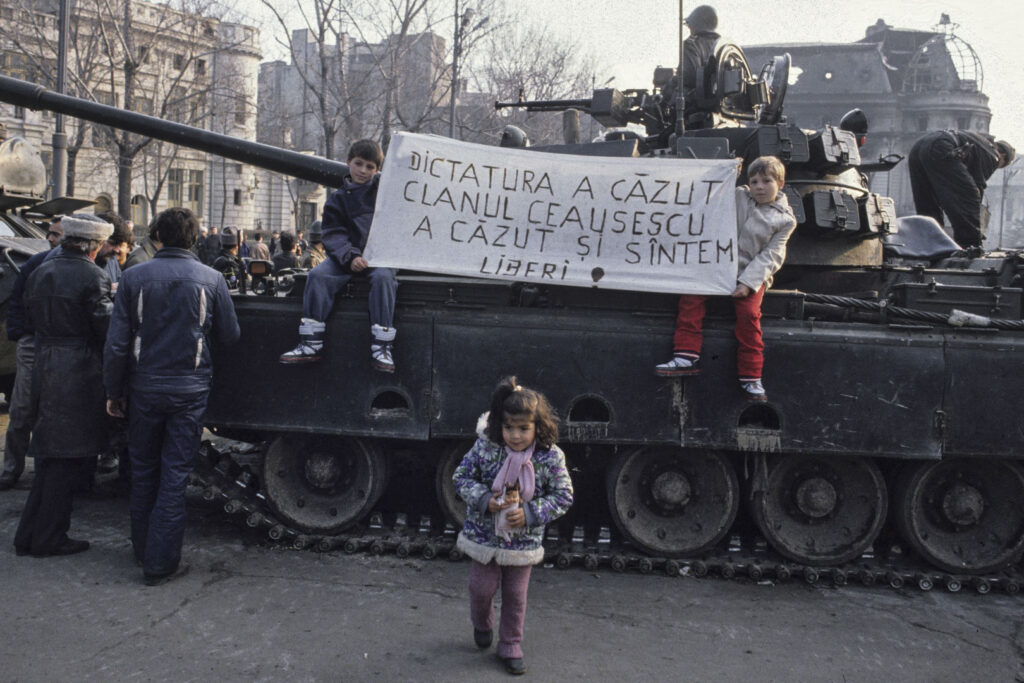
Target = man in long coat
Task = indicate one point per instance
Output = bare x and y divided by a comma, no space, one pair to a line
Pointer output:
68,303
157,360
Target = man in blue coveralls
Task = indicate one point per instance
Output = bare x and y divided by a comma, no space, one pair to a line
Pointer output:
167,312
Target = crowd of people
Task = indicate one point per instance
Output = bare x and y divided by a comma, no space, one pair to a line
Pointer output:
114,358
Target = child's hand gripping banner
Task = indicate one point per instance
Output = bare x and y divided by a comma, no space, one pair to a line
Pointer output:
661,225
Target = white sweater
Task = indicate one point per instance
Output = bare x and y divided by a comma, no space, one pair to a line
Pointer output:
762,233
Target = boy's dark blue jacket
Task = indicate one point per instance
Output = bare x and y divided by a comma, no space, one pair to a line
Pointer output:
348,214
166,312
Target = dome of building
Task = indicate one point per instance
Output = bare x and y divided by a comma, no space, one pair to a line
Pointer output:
945,62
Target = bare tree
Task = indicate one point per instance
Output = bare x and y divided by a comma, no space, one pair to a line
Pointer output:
321,62
36,42
528,59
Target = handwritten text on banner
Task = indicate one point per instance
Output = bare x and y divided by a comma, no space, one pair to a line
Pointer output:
662,225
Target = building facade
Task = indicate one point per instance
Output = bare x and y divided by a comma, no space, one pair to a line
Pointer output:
907,81
189,68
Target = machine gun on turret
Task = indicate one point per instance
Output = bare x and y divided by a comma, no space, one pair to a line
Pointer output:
727,94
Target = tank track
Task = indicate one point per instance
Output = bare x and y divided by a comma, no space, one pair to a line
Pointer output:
223,482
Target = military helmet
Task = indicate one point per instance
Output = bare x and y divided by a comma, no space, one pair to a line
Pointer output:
702,19
514,136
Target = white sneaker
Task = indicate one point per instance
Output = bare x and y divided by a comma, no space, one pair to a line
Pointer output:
754,390
679,366
381,355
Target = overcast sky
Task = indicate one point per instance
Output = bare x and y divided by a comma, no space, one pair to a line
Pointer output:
631,37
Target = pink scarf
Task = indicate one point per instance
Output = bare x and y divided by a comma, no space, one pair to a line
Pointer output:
518,466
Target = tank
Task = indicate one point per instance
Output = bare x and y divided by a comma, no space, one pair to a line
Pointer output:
891,363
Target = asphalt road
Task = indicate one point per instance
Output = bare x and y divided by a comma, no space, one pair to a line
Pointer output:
249,612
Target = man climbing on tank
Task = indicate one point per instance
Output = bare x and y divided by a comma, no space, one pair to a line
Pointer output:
698,49
948,174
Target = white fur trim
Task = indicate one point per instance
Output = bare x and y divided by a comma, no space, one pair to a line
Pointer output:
481,425
86,229
505,557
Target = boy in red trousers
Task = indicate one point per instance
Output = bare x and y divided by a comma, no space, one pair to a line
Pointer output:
764,223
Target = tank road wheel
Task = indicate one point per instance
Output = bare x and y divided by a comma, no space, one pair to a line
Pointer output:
453,507
819,510
673,502
321,484
963,515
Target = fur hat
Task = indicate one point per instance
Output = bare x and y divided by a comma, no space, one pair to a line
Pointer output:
228,238
316,232
86,226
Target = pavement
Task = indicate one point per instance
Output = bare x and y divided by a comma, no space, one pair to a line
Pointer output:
253,612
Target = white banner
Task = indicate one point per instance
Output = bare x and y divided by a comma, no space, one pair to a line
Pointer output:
661,225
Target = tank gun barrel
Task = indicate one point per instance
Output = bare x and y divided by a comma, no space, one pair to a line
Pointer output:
305,166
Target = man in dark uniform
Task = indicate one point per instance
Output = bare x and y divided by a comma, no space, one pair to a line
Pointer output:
286,258
68,304
228,263
316,253
157,360
949,170
19,329
698,49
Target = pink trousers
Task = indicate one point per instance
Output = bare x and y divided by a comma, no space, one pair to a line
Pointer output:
483,584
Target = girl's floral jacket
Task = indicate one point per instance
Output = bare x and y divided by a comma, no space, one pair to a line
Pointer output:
551,500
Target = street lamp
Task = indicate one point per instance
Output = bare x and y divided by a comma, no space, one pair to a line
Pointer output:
59,164
462,20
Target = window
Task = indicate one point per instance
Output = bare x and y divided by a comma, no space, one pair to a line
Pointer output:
200,67
194,192
963,122
179,62
238,197
238,169
922,123
13,65
144,54
175,182
307,215
139,212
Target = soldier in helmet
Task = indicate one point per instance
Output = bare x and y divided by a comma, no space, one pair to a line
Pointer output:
698,49
949,170
316,253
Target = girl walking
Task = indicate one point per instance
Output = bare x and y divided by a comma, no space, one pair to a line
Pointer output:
514,482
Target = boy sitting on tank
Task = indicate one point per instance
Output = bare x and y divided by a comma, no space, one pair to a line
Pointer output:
346,222
764,224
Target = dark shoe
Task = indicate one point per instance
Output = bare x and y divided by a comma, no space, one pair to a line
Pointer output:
8,480
107,463
69,546
514,665
160,579
483,639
